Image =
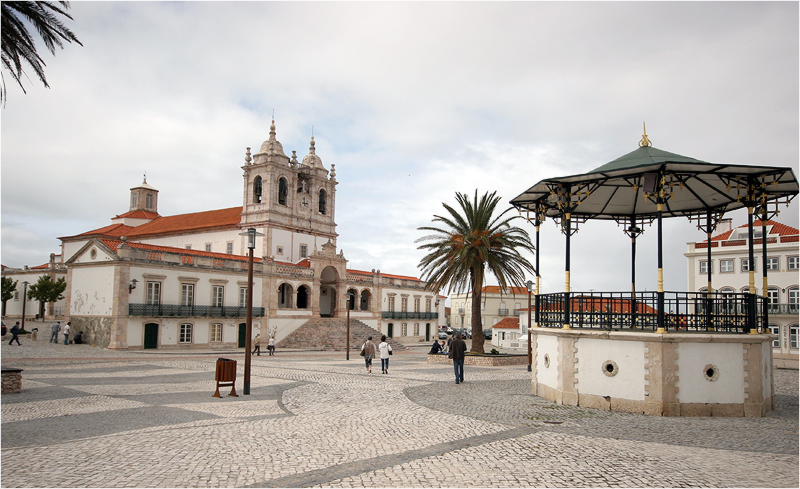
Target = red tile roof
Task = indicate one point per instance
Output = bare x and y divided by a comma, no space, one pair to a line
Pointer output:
776,229
114,230
388,275
508,323
496,289
113,244
195,221
140,214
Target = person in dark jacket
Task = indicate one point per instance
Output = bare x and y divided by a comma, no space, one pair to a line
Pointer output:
435,348
457,350
14,334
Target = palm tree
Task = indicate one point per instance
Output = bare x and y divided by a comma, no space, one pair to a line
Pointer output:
18,44
470,242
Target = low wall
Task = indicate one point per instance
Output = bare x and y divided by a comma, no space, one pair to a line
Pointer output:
673,374
12,380
482,360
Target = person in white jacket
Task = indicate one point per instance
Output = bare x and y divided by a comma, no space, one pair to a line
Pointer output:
385,350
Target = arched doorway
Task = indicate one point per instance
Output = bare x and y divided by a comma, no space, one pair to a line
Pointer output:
151,335
327,292
302,297
365,297
284,296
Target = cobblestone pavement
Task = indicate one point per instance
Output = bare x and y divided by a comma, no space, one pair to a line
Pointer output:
88,417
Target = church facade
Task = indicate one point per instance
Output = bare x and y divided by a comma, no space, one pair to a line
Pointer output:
152,281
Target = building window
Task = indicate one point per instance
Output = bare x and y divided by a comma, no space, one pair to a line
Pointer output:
257,190
793,337
391,304
416,305
704,267
134,201
416,329
188,247
773,296
208,246
794,299
776,330
283,191
280,250
242,296
725,266
186,333
153,296
404,329
217,295
187,294
746,265
229,247
216,333
149,201
792,262
772,263
427,305
404,305
16,295
322,201
303,251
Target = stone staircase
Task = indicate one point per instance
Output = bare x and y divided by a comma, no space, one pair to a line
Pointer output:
329,334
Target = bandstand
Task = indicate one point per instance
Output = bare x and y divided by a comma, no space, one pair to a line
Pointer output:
667,353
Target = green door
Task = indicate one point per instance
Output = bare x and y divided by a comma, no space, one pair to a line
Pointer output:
427,331
151,335
390,332
242,335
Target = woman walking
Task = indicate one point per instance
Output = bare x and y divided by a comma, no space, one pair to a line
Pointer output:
386,350
368,349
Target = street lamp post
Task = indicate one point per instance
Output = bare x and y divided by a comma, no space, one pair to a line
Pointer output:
24,302
530,351
251,245
347,306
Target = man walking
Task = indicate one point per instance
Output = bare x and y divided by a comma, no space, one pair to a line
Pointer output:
54,335
457,350
66,333
14,334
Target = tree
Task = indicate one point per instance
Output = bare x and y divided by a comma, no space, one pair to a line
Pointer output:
46,290
9,285
471,241
18,44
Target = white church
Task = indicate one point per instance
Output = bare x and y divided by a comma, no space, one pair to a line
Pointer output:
152,281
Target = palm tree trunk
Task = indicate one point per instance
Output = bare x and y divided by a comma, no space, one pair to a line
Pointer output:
477,326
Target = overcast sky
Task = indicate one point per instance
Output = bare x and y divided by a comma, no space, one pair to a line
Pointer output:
412,102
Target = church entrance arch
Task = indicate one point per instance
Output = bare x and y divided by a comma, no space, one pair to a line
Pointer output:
327,292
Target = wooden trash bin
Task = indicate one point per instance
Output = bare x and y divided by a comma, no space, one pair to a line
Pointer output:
226,376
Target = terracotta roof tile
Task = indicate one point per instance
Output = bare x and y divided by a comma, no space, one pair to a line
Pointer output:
113,244
508,323
227,218
496,289
139,214
387,275
113,230
777,228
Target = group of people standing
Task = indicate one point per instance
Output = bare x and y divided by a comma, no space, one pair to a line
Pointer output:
54,330
369,350
257,345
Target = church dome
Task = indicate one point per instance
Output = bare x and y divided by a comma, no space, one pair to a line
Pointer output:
272,146
311,159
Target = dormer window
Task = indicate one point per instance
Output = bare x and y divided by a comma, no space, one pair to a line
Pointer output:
322,201
257,190
134,201
149,201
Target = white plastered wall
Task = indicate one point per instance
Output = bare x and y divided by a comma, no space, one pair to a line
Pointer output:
627,383
693,387
92,291
547,345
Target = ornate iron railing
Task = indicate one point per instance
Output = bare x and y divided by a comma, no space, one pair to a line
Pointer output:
683,311
409,315
172,310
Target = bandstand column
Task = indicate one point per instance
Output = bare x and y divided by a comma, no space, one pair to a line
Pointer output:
765,282
660,294
751,297
567,312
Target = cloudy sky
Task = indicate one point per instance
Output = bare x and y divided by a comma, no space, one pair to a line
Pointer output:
412,102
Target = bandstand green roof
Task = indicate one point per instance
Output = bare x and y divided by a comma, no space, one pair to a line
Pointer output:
627,187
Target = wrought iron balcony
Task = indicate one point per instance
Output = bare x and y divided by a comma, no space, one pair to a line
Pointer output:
502,312
792,309
409,315
173,310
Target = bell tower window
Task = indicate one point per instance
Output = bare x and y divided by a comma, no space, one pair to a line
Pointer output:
257,190
283,191
149,201
322,201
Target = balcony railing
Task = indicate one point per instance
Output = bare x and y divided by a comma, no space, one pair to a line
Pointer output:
172,310
502,312
683,311
409,315
793,309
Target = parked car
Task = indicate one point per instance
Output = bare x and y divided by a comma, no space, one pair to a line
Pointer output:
442,334
487,334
